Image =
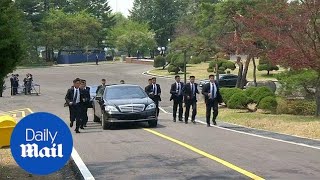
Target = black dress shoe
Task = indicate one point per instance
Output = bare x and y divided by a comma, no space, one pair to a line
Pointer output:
214,122
180,119
186,122
77,131
193,121
85,125
71,124
208,125
81,127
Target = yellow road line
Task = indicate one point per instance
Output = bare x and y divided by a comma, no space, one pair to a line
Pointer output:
196,150
23,114
17,110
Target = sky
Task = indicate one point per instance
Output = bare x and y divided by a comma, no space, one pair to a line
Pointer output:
122,6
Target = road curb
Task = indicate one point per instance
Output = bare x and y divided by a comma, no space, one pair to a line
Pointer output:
81,168
147,73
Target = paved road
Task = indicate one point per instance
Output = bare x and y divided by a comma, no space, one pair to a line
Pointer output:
171,151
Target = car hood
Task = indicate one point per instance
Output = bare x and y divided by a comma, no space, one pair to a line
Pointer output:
119,102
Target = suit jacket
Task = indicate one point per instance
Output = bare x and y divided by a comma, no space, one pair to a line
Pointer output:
70,94
149,91
173,91
86,96
188,92
99,87
206,91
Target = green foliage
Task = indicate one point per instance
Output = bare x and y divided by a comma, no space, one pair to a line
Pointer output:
195,60
174,69
260,93
74,30
159,61
268,103
210,70
238,101
265,65
12,44
298,81
160,15
249,91
296,107
131,36
226,93
223,65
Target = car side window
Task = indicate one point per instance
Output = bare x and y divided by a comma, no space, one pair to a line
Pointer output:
100,92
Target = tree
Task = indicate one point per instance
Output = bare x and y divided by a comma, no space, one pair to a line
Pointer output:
132,36
161,16
73,30
291,30
265,65
11,40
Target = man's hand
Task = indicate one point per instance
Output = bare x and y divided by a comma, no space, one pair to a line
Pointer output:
188,97
209,94
70,103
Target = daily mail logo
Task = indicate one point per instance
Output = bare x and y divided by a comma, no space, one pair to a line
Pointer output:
32,150
40,139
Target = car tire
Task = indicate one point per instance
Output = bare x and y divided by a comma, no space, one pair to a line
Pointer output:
153,124
105,124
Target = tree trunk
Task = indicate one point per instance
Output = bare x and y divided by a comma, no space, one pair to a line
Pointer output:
1,86
317,96
245,72
254,72
239,74
268,73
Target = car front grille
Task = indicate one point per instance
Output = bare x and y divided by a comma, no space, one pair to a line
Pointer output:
132,108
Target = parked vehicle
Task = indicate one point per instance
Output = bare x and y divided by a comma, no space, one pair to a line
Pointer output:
124,103
93,90
225,80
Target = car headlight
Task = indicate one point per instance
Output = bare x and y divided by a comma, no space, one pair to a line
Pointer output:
111,109
151,106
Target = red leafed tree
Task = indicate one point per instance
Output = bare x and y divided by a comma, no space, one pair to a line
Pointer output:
291,32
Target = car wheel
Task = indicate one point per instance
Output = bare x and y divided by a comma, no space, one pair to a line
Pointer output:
153,123
105,124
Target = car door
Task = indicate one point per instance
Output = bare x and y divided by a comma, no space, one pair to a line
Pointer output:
98,102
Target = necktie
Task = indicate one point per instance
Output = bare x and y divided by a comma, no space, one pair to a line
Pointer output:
75,96
192,89
179,88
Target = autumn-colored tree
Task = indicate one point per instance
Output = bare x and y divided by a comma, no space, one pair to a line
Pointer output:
291,32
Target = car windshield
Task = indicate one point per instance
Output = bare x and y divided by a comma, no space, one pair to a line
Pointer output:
125,92
93,89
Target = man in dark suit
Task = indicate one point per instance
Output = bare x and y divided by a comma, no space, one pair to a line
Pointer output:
212,99
12,83
103,85
177,97
149,83
190,92
74,101
85,103
154,92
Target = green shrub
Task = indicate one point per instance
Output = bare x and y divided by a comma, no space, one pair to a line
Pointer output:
222,68
268,103
159,61
210,70
229,65
196,60
226,93
260,93
249,91
173,68
296,107
238,101
221,72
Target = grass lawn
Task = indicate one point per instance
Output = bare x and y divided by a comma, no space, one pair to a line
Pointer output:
305,126
200,71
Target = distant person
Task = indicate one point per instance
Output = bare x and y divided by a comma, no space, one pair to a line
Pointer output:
97,59
12,84
212,99
15,84
154,92
122,82
85,103
149,83
177,97
73,100
103,84
190,92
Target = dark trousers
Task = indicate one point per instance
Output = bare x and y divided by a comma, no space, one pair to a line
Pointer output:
14,90
177,102
194,110
84,117
211,104
97,61
75,114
